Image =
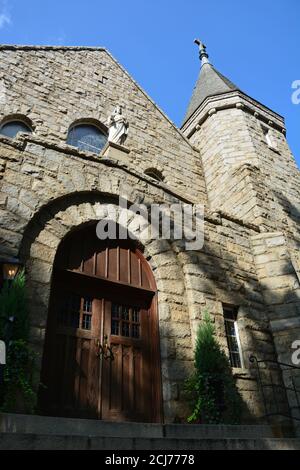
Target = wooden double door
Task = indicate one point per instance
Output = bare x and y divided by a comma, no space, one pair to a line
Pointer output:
101,357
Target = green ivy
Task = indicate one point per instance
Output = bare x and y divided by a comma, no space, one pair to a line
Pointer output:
211,389
17,391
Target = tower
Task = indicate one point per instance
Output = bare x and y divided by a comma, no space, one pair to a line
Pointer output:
251,175
243,147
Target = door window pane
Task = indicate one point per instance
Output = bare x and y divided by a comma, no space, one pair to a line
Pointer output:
86,323
125,321
125,313
76,312
125,329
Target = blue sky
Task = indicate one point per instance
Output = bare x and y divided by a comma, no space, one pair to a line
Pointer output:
255,43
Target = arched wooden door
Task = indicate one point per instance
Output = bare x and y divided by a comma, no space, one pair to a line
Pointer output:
101,357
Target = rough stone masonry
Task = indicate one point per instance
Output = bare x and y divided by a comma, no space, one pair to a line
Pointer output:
220,158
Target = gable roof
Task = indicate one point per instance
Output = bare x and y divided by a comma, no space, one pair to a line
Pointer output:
16,47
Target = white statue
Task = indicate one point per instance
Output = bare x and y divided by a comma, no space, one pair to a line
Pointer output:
118,126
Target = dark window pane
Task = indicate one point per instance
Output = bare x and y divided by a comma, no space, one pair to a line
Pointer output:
135,331
235,359
135,315
230,316
115,311
230,330
125,329
87,304
114,327
87,137
233,344
230,313
125,313
11,129
86,321
125,321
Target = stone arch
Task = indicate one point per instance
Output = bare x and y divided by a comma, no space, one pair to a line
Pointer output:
40,242
89,120
18,117
154,173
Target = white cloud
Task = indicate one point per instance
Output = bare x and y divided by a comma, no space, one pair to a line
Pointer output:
5,19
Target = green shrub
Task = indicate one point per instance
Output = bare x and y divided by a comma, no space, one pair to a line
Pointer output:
17,393
211,390
13,302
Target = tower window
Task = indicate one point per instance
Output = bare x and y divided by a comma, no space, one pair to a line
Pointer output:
87,137
12,128
232,335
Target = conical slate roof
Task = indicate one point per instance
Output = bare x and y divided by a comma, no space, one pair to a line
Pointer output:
210,82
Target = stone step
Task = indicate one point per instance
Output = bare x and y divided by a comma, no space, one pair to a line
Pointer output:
44,425
27,441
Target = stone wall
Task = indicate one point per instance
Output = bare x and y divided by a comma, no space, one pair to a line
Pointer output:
42,204
54,87
47,188
260,183
281,290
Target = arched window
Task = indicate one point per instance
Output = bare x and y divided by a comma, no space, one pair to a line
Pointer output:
87,137
154,173
12,128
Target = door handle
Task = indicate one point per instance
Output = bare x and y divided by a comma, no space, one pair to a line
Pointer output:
104,350
107,351
99,348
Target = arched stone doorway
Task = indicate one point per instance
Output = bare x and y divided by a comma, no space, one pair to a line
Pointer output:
101,357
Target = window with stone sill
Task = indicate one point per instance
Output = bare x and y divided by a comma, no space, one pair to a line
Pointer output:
232,336
12,128
87,137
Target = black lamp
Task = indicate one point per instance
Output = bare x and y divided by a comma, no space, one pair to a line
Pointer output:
10,268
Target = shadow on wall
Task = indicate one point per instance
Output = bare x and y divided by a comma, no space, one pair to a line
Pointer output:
290,211
216,274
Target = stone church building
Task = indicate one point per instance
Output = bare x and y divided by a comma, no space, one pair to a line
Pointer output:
115,321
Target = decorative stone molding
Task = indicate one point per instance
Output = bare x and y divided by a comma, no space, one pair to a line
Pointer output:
115,152
212,111
228,101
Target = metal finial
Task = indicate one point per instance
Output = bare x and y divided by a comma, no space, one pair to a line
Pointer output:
203,55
